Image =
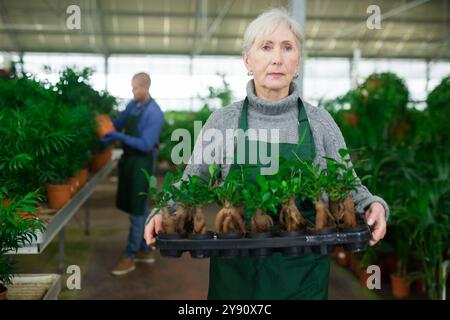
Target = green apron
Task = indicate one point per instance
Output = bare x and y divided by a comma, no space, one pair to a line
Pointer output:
276,277
132,180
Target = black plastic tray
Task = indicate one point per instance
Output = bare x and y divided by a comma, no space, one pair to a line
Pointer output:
263,245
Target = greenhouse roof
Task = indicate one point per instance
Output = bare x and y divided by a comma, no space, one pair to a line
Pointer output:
409,29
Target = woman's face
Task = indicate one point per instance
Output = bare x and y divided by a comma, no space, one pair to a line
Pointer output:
274,60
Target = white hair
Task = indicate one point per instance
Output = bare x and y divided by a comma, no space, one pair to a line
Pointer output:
268,21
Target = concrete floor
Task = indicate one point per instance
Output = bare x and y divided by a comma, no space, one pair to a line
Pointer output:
167,278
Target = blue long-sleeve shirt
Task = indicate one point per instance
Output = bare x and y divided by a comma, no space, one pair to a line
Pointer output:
149,126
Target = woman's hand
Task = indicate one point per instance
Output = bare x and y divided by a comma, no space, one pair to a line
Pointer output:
153,227
376,219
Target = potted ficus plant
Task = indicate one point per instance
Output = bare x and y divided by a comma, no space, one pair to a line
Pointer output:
15,231
290,185
190,195
340,181
261,204
229,220
316,181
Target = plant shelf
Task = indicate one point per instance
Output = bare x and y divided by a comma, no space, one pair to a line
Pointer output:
34,287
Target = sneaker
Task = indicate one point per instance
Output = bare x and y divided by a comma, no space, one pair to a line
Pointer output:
145,257
124,266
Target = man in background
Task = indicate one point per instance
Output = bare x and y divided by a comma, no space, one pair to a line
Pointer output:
138,128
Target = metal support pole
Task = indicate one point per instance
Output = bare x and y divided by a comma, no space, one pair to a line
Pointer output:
61,251
106,58
354,72
297,9
427,75
87,230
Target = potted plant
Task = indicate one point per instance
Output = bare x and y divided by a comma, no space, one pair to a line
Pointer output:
316,180
340,181
431,234
290,184
261,204
15,231
189,195
56,174
229,220
402,241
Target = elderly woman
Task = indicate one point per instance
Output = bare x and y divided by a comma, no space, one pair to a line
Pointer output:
271,54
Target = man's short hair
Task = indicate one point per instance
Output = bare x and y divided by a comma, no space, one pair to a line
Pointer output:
143,78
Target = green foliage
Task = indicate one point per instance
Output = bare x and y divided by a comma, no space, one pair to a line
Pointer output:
74,89
438,112
16,231
45,140
31,135
340,179
373,113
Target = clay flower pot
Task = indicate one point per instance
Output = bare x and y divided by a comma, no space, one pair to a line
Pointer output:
341,256
23,214
82,177
3,292
104,125
351,119
58,195
354,264
74,185
400,286
363,276
100,160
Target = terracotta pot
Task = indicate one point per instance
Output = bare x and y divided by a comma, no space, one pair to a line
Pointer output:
342,257
401,131
100,160
104,125
82,177
58,195
400,286
6,202
363,276
354,264
418,286
3,292
74,185
351,119
389,265
23,214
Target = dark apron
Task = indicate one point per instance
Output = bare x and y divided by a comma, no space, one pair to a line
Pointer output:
132,180
276,277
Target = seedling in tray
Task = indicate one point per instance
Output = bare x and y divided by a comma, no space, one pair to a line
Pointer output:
190,194
340,181
230,218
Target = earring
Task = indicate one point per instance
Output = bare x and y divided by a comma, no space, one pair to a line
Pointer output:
250,73
296,75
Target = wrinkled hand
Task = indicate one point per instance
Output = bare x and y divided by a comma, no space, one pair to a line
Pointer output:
376,219
152,229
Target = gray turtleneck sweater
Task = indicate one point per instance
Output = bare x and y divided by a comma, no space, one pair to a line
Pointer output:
283,115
